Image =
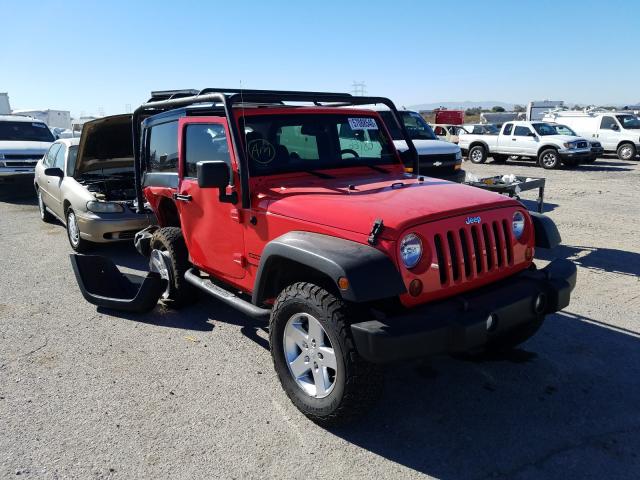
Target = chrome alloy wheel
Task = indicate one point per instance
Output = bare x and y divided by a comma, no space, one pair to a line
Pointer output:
309,355
72,227
549,159
476,156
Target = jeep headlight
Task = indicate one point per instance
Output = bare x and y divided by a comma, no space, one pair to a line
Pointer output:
411,250
104,207
518,224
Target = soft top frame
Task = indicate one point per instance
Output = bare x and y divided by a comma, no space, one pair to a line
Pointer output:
162,101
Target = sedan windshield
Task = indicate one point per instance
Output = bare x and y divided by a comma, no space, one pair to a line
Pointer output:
416,126
544,129
289,143
25,131
629,121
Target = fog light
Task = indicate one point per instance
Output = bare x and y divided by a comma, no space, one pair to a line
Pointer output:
415,287
528,253
540,303
492,323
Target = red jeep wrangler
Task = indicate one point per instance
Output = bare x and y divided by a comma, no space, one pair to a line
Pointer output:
289,206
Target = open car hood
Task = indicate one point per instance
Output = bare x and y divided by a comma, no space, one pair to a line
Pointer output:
105,143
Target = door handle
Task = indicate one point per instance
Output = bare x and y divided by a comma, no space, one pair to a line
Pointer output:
181,197
514,139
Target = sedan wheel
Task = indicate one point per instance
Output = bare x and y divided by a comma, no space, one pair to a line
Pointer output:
45,216
73,233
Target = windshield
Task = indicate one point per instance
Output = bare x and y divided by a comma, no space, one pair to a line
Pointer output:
288,143
544,129
629,121
564,130
25,131
416,127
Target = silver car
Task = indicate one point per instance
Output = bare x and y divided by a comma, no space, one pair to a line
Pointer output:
88,184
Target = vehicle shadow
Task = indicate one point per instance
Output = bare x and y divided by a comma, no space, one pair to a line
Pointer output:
569,411
596,258
18,192
533,205
597,166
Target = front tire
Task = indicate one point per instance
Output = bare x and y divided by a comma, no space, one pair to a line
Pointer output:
45,216
478,154
549,159
76,241
171,258
315,357
626,151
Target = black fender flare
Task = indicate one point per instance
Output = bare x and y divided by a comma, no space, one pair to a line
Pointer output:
546,232
371,273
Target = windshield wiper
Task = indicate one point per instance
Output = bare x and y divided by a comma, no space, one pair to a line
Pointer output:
377,169
318,174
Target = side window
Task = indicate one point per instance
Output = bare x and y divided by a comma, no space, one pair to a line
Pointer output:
71,160
521,131
51,155
204,142
163,148
607,123
59,161
507,129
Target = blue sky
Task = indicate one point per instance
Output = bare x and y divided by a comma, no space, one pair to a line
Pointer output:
89,56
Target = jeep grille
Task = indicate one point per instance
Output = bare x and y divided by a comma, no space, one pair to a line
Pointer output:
473,251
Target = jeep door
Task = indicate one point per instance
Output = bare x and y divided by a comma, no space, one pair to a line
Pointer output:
607,133
211,224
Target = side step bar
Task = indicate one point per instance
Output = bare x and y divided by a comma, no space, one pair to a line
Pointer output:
225,296
103,284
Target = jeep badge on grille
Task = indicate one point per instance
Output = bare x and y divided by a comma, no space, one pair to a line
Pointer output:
471,220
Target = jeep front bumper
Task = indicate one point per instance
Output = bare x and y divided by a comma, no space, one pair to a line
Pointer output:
466,323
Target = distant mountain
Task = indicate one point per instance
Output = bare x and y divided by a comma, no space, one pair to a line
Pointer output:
487,105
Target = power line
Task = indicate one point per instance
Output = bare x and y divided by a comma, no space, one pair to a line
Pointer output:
359,88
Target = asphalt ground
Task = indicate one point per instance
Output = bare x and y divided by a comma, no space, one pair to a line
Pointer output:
90,393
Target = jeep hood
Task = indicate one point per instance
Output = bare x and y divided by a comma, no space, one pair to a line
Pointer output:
20,147
105,143
428,147
401,203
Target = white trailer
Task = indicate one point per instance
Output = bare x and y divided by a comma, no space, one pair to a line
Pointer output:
5,108
53,118
537,108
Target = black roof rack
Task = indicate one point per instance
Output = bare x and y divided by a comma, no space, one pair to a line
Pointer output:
165,100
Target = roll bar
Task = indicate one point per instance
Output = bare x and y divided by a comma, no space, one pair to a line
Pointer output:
162,101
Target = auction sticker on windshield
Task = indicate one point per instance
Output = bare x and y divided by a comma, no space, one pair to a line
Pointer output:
363,124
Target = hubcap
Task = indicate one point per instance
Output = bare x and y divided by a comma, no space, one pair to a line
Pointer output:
476,155
549,159
309,355
160,262
72,227
626,153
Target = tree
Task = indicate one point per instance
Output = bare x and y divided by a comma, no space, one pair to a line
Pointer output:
497,109
473,111
518,108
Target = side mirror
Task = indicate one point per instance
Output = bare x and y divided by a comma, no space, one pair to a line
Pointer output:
531,134
213,174
54,172
615,127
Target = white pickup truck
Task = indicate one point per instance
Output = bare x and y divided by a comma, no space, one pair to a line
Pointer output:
537,140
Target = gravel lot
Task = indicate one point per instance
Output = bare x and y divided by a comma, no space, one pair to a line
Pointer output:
86,393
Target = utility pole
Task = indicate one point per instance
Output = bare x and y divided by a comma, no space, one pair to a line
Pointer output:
359,88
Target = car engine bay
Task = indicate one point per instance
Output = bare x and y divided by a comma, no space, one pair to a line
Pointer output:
109,187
